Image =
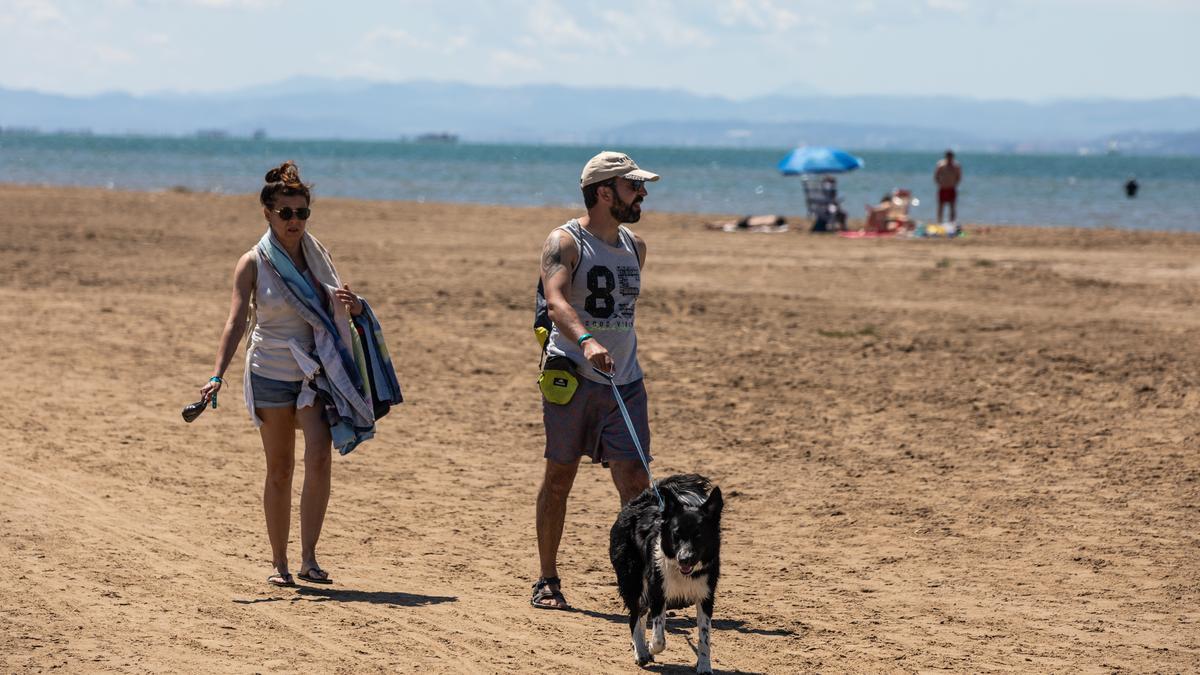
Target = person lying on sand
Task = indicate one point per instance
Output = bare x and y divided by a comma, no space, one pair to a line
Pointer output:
767,223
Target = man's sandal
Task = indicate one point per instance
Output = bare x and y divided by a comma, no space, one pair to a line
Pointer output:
542,592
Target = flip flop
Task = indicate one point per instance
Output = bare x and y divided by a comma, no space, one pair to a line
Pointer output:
281,580
308,575
542,593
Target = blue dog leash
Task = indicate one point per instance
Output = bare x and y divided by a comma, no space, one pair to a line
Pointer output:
633,434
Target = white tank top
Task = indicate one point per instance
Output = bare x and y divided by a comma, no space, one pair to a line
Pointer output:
604,292
276,323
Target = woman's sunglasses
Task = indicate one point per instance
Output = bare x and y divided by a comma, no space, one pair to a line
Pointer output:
287,212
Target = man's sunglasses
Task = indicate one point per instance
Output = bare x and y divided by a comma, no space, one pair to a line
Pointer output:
287,212
635,185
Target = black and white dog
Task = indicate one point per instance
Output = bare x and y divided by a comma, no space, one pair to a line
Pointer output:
669,560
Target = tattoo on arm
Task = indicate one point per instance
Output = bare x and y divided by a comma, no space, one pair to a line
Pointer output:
552,257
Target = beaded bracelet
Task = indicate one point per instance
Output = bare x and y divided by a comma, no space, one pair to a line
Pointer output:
218,380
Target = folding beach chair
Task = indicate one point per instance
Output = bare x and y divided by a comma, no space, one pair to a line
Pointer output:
824,207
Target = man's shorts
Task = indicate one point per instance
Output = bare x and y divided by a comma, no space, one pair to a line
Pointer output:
591,424
947,195
270,393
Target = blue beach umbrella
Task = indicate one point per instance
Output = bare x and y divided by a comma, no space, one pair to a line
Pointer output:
816,159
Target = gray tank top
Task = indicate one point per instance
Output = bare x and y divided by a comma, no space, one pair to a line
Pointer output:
267,353
604,292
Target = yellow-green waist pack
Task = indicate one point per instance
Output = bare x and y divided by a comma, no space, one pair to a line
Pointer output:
558,381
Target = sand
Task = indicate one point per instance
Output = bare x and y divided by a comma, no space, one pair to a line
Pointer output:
970,455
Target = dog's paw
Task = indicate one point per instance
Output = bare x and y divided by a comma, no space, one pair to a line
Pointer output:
641,655
704,667
658,637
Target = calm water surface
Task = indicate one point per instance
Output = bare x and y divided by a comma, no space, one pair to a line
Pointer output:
1002,189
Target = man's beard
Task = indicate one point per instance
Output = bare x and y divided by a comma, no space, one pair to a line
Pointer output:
623,211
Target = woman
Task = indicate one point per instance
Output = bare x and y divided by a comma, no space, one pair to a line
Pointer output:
271,285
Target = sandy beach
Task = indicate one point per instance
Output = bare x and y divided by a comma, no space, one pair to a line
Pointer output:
971,455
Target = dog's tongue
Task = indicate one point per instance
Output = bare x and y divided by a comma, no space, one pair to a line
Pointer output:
685,569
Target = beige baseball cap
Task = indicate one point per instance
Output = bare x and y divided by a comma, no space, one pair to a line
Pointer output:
609,164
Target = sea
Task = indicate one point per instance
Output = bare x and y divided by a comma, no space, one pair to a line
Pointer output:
1024,189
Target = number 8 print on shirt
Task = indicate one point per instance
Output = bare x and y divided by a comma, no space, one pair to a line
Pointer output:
604,292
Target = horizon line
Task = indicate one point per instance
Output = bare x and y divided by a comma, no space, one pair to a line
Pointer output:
367,82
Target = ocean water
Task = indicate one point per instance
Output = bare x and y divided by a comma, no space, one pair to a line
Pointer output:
1085,191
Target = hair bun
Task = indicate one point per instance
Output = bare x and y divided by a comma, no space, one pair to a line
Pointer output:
287,173
283,180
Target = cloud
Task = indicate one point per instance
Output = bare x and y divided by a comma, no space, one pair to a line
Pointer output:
954,6
365,68
236,4
203,4
610,31
385,36
548,23
457,43
1185,6
36,11
664,28
506,60
114,55
761,15
393,36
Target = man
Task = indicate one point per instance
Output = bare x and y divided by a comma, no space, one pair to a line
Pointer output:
591,274
947,175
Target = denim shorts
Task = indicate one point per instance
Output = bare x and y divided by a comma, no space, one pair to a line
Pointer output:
270,393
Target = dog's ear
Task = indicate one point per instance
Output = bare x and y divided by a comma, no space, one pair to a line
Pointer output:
670,503
713,505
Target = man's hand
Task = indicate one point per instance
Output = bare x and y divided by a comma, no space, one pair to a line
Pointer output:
597,355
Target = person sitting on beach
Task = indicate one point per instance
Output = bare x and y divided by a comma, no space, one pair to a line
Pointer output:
286,286
832,216
877,214
890,214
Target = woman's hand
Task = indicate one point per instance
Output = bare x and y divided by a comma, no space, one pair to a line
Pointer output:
347,297
209,390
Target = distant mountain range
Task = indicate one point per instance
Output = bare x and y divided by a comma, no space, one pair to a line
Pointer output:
360,109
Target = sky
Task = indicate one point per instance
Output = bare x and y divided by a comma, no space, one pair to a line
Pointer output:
1033,50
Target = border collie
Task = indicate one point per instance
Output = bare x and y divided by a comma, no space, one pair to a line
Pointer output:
669,560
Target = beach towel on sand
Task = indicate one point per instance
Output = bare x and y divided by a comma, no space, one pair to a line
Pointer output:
354,383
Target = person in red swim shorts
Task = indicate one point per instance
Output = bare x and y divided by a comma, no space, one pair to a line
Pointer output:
947,175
